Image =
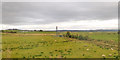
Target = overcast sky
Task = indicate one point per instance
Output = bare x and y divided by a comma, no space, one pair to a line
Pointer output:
66,15
60,0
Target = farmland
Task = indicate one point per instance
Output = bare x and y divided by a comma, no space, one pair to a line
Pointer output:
47,45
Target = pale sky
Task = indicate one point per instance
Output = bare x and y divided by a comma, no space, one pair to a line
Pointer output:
60,0
65,15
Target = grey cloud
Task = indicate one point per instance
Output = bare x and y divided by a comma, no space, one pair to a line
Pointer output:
48,12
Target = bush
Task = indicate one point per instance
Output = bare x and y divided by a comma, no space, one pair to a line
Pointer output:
9,31
80,37
68,34
86,38
83,37
41,30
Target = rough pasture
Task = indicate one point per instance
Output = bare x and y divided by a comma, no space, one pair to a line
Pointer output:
108,36
103,39
47,46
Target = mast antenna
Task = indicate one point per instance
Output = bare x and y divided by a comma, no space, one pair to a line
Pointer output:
56,30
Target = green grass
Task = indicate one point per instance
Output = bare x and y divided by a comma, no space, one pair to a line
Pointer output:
100,35
23,46
37,32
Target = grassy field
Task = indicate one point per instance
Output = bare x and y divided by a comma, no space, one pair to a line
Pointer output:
44,32
100,35
18,45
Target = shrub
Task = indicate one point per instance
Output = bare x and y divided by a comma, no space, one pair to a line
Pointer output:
80,37
68,34
41,30
9,31
86,38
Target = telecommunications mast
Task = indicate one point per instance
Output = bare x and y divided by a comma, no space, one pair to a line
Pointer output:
56,30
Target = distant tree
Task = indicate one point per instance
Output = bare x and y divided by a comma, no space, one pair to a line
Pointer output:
9,31
12,32
41,30
35,30
12,29
2,31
